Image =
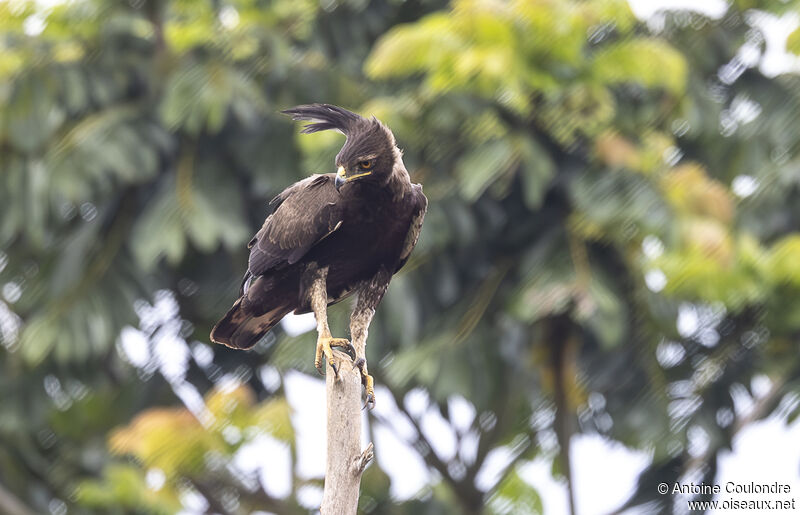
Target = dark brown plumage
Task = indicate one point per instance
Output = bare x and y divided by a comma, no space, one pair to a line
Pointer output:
339,234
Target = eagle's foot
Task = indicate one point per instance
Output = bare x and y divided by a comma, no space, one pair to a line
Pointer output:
368,382
324,348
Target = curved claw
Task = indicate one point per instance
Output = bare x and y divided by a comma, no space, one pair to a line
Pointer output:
370,402
324,352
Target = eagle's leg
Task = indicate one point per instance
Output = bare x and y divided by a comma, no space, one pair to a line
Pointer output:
325,342
359,327
369,296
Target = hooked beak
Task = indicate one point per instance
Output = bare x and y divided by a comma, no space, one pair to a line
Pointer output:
341,178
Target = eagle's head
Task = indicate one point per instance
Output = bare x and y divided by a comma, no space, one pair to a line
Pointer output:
368,154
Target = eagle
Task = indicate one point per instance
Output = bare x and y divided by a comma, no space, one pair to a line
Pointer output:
331,236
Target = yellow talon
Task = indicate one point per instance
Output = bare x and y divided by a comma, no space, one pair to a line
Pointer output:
324,347
368,382
368,385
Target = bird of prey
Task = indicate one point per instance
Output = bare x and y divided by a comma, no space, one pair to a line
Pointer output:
331,236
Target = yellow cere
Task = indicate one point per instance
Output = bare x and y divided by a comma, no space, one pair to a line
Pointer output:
341,172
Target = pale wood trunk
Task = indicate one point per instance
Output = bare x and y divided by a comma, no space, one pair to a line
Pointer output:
345,462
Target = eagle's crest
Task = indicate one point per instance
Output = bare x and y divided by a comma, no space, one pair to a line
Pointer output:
326,117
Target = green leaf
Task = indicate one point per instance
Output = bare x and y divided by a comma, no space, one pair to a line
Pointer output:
125,486
484,164
402,310
783,265
793,42
159,232
72,261
32,113
624,204
537,170
11,62
38,338
199,98
418,364
605,315
215,216
413,48
546,295
274,415
515,497
75,90
183,35
650,62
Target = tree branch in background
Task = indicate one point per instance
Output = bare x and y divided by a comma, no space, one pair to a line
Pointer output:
206,490
762,406
468,495
561,341
472,498
346,462
11,505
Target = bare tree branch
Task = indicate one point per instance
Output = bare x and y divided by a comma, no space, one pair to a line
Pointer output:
346,462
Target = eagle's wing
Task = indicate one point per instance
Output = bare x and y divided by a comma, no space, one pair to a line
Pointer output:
305,213
420,208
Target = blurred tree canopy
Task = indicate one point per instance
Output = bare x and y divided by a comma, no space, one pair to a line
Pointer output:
594,180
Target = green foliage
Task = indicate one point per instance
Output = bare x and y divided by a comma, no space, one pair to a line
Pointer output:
483,165
174,441
198,207
582,170
124,487
199,98
515,496
184,449
510,51
793,43
781,266
649,62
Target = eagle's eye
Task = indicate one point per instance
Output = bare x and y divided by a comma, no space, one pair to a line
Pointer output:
367,164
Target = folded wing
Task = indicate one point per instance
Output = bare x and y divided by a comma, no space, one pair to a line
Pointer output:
305,213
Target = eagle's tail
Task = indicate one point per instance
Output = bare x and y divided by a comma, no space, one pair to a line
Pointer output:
242,328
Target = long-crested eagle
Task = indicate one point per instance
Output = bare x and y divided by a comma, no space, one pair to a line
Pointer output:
331,236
